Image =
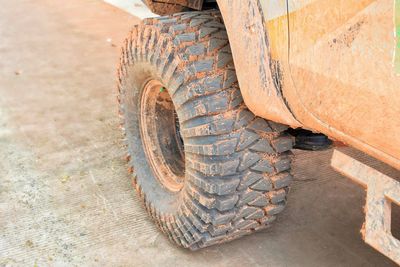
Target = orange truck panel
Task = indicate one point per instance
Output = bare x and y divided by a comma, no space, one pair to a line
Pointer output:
339,69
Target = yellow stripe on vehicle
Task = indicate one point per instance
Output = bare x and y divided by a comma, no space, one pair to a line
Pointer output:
308,21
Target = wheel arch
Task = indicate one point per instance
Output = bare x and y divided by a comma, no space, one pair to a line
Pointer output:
259,77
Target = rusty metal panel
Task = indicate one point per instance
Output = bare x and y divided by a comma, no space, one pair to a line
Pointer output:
382,191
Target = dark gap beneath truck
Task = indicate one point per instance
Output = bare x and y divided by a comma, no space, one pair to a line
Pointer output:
395,217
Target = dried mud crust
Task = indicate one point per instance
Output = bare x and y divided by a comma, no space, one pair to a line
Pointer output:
237,168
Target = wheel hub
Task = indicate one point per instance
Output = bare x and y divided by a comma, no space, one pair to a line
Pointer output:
160,133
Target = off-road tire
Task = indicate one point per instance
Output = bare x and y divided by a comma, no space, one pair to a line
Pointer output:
161,8
237,165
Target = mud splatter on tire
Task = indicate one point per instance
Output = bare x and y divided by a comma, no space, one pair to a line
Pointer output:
237,165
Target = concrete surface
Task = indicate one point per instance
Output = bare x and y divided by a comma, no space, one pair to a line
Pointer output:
134,7
65,195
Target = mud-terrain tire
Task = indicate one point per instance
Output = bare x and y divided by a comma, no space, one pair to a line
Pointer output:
236,166
160,8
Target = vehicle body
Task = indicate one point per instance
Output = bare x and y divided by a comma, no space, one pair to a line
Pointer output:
334,70
331,67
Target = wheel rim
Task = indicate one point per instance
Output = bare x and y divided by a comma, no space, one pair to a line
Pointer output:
160,134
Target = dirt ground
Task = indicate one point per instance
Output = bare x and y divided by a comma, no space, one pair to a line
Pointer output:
65,195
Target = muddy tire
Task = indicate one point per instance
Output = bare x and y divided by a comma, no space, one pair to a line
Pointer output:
163,8
207,169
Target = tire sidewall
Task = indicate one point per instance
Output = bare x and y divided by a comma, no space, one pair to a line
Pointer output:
136,78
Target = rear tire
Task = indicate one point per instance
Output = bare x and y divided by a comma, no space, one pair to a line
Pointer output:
236,170
162,9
